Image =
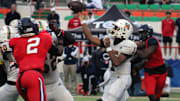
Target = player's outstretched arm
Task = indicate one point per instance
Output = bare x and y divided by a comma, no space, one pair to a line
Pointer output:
89,36
147,52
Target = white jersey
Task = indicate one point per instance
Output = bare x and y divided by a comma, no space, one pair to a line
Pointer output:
116,83
127,47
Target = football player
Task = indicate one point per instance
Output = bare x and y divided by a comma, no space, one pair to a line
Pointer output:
56,91
155,69
8,91
117,79
30,51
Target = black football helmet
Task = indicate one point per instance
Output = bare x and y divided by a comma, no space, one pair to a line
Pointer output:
145,32
27,26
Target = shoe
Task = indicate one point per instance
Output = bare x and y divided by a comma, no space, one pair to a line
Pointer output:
99,100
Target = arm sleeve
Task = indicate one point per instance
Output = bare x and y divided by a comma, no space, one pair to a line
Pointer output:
152,42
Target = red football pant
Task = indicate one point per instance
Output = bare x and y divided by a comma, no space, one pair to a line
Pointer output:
154,84
31,86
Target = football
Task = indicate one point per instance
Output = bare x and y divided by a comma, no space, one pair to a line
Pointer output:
76,6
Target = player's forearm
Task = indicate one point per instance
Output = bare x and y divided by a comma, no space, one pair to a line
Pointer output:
141,54
89,36
147,52
116,61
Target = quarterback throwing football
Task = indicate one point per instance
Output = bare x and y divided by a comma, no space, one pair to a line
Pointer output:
120,49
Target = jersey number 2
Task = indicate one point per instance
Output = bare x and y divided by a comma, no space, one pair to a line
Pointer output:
32,47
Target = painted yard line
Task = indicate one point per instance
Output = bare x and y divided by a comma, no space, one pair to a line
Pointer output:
132,97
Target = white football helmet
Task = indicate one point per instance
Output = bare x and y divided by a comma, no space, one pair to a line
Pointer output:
122,29
43,25
7,32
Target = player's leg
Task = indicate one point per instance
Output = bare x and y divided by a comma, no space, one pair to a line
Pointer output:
62,94
160,84
22,91
33,82
8,93
124,96
150,86
117,89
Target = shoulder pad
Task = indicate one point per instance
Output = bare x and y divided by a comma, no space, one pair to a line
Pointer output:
128,47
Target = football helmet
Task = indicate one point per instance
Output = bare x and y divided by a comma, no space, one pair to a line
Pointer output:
6,32
122,29
145,32
27,27
42,25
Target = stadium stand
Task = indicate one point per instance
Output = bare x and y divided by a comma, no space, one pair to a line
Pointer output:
144,7
167,7
176,7
154,7
131,6
141,12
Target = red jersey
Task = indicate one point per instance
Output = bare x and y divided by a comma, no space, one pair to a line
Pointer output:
30,52
168,27
74,23
156,59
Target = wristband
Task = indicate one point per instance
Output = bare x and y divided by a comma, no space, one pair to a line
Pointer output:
83,22
108,49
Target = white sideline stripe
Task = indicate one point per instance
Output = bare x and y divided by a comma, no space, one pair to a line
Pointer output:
41,90
134,97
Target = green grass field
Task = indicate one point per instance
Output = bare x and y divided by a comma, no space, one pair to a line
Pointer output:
173,97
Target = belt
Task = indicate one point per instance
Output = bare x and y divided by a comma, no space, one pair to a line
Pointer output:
37,70
11,83
158,70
